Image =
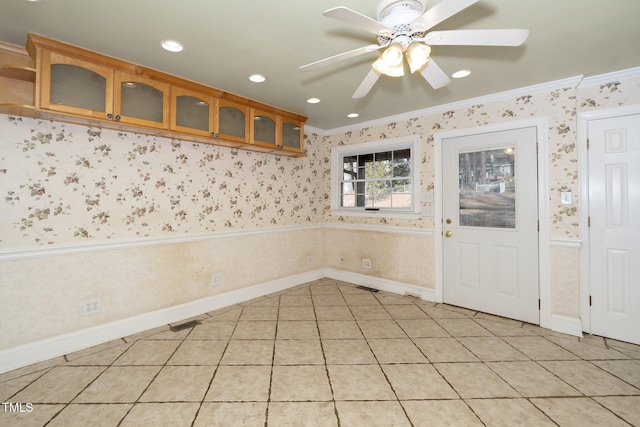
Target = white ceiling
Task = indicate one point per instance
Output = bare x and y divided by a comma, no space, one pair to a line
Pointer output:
226,41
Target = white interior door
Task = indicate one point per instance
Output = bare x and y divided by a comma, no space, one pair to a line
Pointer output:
614,234
490,223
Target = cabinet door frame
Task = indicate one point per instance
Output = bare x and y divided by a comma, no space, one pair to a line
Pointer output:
49,58
118,79
213,106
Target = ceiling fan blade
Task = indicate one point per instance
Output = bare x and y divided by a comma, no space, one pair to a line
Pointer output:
433,74
514,37
341,56
352,17
366,84
438,13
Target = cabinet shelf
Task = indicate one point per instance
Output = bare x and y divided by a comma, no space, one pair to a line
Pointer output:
19,72
22,110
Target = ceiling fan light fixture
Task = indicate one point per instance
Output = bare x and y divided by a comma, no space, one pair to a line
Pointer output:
417,55
392,71
390,62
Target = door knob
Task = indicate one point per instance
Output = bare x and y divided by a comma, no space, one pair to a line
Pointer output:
448,234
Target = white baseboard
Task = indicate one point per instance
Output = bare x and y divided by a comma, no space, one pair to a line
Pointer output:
39,351
399,288
566,325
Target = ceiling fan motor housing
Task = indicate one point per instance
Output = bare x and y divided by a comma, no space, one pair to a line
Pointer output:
398,15
393,13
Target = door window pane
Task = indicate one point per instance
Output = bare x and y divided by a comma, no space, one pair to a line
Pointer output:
487,188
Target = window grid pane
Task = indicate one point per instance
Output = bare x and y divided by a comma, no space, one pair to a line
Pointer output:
377,180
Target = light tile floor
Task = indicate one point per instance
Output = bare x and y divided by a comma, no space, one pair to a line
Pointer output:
330,354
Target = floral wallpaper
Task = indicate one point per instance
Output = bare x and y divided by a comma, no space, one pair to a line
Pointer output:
63,183
608,95
560,106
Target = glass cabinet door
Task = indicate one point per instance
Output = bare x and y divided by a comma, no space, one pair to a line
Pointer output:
264,128
191,112
291,135
75,86
141,101
232,121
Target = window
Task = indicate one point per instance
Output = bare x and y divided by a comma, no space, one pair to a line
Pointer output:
376,178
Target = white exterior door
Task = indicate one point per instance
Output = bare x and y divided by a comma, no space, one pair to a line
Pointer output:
614,233
490,223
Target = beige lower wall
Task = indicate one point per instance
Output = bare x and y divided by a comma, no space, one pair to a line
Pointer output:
565,281
402,256
42,297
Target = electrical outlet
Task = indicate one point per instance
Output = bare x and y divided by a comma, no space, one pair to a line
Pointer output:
217,279
310,259
366,263
91,306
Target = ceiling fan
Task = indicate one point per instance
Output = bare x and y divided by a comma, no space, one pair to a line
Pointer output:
402,29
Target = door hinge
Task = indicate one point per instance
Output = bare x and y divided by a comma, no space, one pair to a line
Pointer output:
538,225
588,221
536,148
539,304
588,143
589,300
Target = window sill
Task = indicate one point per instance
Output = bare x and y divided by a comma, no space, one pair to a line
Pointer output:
376,214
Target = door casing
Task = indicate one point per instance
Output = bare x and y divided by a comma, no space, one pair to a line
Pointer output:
544,257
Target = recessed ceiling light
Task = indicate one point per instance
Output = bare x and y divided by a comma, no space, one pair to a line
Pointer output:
353,115
172,45
257,78
460,74
313,100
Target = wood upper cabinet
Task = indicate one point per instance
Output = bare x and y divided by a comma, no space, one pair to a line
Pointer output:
84,88
73,84
192,112
231,121
264,129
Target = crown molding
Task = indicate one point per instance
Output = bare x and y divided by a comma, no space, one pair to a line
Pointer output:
570,82
630,73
